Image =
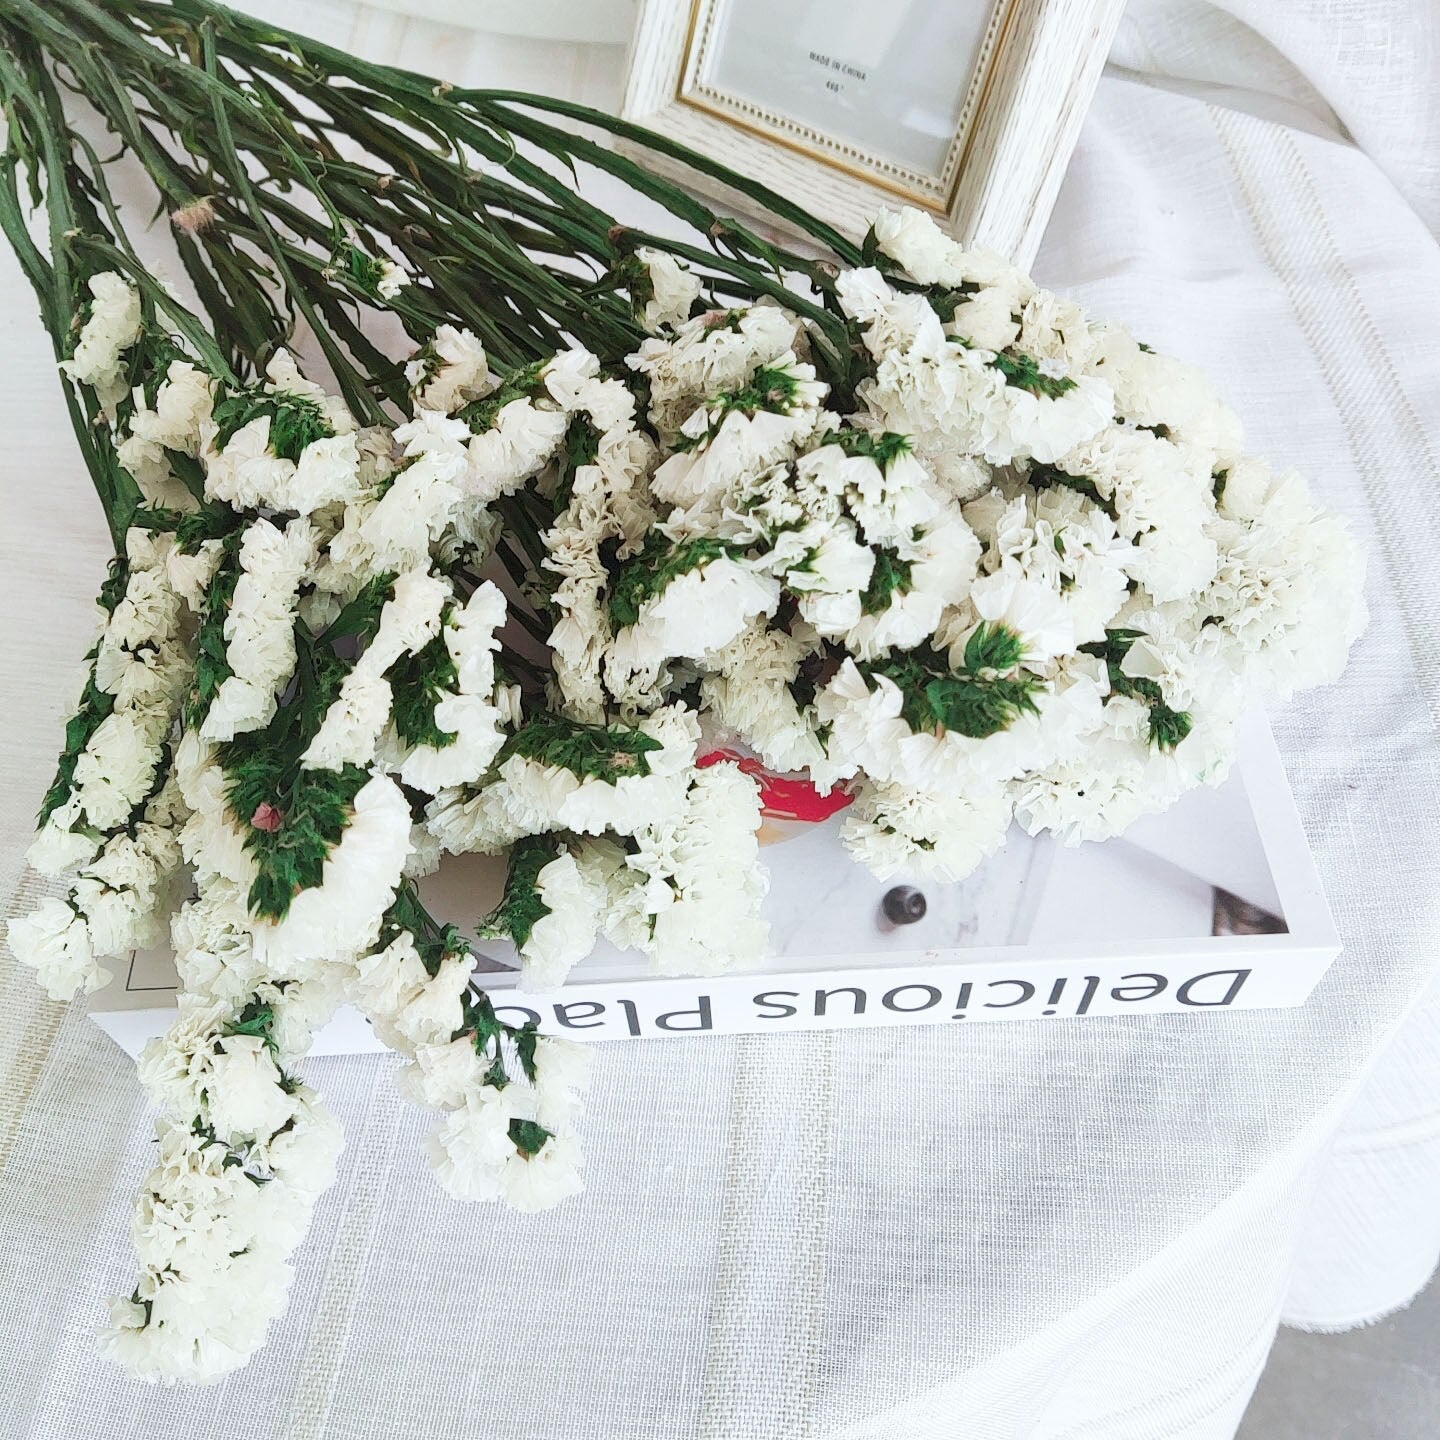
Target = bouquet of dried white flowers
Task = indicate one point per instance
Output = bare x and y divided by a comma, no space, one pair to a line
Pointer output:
893,520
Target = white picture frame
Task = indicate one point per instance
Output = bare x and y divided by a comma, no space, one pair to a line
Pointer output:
1014,113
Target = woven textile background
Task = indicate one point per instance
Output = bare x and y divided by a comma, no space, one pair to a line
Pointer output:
1080,1229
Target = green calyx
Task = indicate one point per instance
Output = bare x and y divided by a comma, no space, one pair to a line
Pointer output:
772,388
522,384
1023,371
974,700
212,668
591,752
581,446
433,942
95,706
360,616
191,528
417,683
993,648
884,449
257,1018
1051,477
648,573
890,573
295,420
521,908
291,818
1167,727
489,1035
364,271
529,1136
944,302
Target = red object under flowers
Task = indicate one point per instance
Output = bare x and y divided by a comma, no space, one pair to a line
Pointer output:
783,797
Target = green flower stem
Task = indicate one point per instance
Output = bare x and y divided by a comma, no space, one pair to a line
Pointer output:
352,383
477,196
479,214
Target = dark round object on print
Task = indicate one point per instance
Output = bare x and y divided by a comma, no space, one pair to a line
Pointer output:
903,905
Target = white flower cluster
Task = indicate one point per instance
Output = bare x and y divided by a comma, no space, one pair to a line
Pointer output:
666,863
108,815
944,543
497,1138
515,1143
110,329
467,710
291,651
245,1151
120,895
667,291
288,446
259,627
177,424
1029,574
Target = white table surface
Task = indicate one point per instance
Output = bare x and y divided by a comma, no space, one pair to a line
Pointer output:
1059,1230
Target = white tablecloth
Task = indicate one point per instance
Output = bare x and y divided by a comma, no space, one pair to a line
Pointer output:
1078,1229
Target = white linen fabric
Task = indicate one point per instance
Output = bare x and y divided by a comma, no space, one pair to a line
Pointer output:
1056,1230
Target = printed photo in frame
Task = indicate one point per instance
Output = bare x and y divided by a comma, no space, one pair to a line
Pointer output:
969,109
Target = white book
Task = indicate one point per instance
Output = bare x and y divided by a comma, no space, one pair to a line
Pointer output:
1212,906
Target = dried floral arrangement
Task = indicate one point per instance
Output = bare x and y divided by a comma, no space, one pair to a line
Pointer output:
565,507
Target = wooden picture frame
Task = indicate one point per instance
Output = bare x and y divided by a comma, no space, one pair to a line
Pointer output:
1017,109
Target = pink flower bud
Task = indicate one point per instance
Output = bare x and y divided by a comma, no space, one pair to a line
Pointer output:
267,817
